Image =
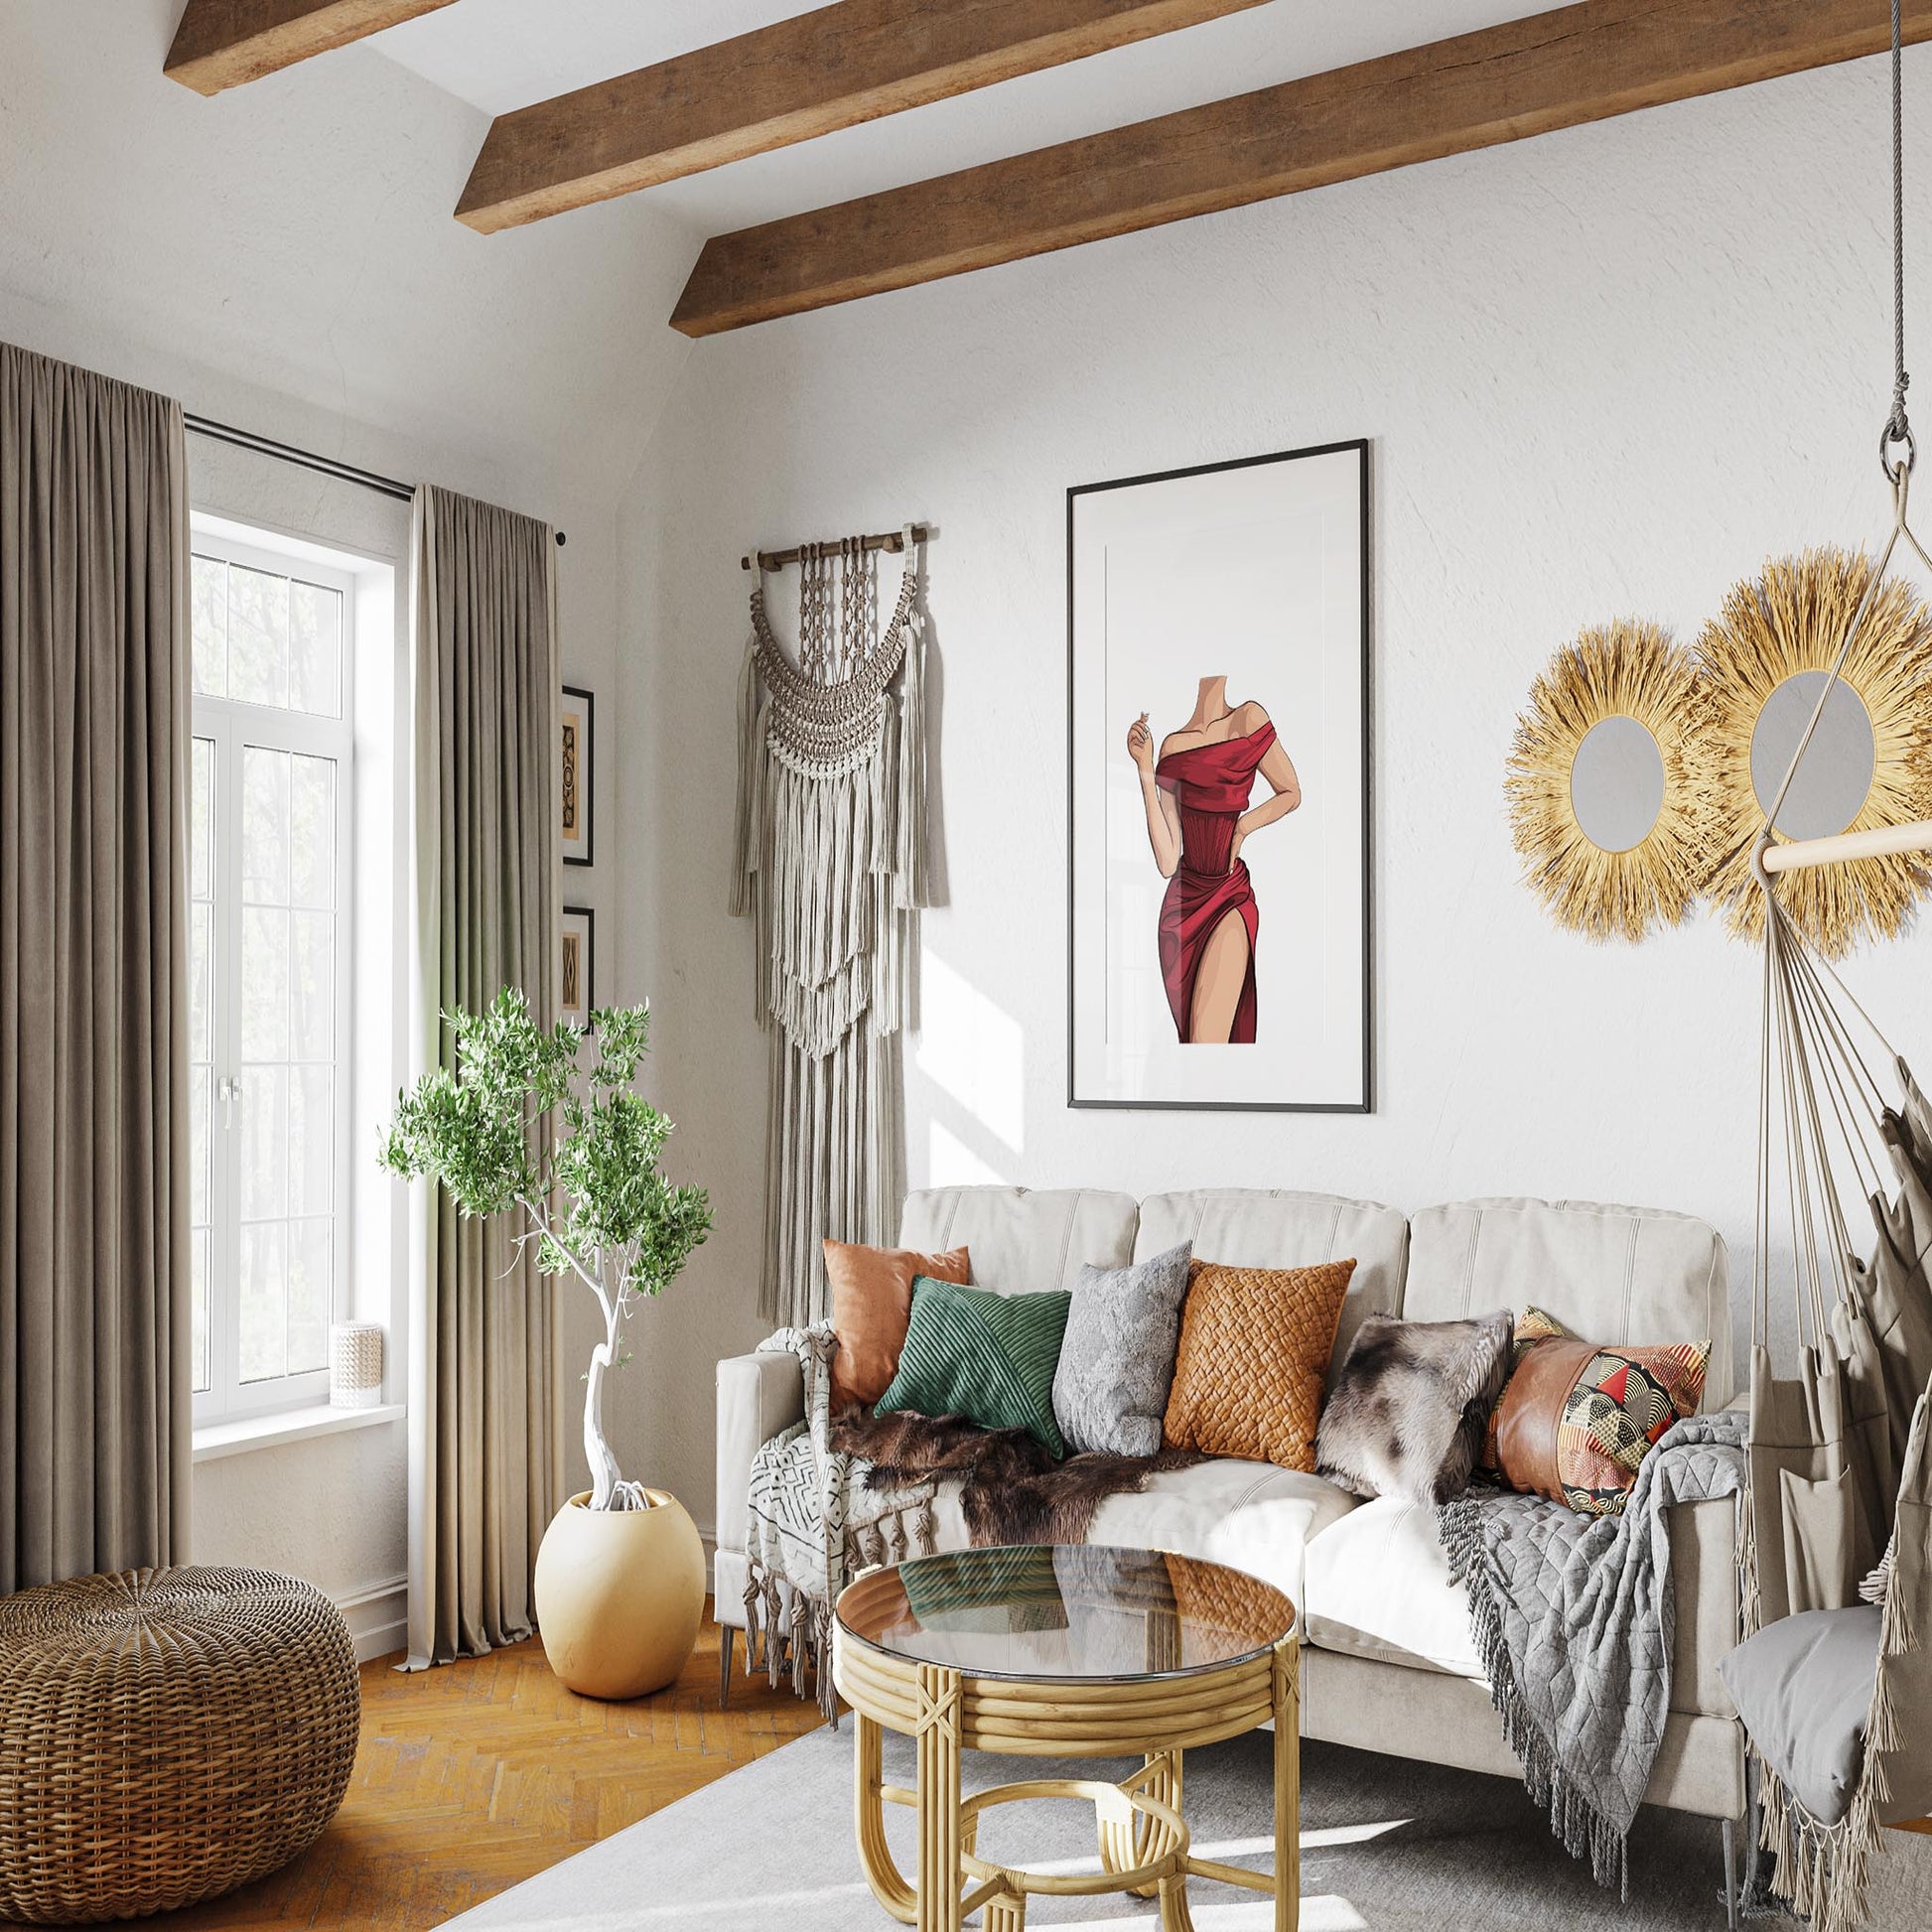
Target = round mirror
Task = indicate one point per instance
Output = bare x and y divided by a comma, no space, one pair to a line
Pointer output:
1602,784
1616,784
1829,788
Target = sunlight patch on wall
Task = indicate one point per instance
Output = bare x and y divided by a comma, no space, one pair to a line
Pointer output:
950,1162
973,1051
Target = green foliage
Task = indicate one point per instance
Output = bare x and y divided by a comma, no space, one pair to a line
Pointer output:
520,1124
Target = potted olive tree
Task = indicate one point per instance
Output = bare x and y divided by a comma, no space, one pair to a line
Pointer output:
572,1152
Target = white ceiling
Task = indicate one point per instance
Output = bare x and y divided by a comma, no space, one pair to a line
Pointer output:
498,54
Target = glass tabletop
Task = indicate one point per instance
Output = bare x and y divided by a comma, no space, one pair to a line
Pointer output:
1065,1610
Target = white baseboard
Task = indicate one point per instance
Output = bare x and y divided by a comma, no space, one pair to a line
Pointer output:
377,1614
378,1617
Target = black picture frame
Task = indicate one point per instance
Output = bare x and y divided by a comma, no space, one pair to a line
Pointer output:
580,924
579,775
1359,445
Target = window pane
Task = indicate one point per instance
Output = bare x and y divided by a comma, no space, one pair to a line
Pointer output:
311,832
310,1265
315,985
264,984
201,845
258,636
212,626
264,1302
311,1139
197,1300
264,1143
316,649
264,826
200,1143
201,983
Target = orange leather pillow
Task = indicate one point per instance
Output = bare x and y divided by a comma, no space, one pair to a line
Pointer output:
872,1301
1254,1353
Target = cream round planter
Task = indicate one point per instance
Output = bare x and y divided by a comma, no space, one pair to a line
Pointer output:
620,1595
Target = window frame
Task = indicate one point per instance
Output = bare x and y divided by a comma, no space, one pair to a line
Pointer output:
231,724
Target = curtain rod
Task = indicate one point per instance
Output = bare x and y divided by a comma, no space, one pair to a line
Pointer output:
327,466
777,559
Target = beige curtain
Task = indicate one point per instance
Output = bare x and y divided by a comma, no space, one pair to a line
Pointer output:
483,1447
96,1410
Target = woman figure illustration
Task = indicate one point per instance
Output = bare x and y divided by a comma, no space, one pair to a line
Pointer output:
1198,820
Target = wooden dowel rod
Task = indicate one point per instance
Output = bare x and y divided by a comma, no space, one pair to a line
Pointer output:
893,540
1875,844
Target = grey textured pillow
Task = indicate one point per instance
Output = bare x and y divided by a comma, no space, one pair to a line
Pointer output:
1411,1405
1110,1391
1803,1687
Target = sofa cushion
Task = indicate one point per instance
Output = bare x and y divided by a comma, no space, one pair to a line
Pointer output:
1408,1415
1619,1275
1266,1227
1378,1586
1024,1238
1254,1350
872,1301
1250,1515
1110,1391
1577,1419
990,1357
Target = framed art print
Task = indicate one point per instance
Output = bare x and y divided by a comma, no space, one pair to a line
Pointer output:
577,970
1218,775
579,804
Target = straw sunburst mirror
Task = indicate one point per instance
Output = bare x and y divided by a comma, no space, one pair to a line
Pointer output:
1765,660
1606,782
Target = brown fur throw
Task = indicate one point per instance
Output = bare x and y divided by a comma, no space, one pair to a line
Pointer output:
1014,1490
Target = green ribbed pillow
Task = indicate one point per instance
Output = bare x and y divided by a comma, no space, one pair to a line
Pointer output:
988,1357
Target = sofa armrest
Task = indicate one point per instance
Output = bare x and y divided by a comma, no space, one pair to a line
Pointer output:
758,1396
1709,1622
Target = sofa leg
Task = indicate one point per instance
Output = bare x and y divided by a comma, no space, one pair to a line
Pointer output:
1728,1829
724,1636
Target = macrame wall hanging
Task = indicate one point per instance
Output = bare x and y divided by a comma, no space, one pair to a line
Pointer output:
830,863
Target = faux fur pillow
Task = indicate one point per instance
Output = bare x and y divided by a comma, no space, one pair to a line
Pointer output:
1408,1413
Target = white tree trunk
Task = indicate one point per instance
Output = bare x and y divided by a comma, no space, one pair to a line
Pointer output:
596,1451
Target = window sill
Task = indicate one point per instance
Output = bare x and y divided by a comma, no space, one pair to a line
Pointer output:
217,1439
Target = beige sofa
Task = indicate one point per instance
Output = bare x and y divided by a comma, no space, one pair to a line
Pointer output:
1388,1662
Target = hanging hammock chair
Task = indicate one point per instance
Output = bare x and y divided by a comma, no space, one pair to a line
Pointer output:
1833,1681
1840,1468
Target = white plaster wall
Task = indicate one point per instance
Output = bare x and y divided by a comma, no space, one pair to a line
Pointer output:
1605,372
283,258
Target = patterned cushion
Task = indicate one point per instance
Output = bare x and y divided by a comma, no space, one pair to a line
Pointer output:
1110,1390
1606,1410
1254,1351
1532,1326
985,1356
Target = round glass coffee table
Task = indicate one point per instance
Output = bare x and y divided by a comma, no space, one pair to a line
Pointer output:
1064,1650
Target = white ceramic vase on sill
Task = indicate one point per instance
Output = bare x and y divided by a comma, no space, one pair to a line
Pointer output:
620,1595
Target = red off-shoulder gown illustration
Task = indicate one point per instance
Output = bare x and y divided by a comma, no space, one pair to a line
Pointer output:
1212,785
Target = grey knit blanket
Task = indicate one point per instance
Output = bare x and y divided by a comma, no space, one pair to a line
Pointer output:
1575,1621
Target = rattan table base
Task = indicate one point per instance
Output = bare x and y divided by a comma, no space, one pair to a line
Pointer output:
1144,1841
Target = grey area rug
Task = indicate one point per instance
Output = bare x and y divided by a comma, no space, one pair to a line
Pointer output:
1387,1846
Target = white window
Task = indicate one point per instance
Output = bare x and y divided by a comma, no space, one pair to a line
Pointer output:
272,799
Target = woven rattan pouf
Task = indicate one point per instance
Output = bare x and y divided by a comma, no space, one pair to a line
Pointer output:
164,1735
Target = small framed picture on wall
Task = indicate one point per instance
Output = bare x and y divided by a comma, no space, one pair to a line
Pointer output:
1218,686
579,796
577,970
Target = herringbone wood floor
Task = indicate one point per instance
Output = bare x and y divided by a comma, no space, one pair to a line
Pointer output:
472,1777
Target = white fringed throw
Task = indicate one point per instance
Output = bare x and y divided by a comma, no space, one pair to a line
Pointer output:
830,862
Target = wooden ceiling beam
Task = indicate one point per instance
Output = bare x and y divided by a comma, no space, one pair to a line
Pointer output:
222,43
791,82
1551,71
